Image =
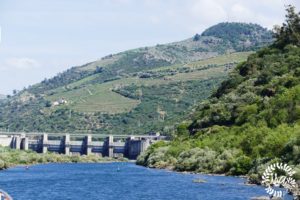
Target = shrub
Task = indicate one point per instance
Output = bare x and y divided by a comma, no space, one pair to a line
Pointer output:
196,159
241,165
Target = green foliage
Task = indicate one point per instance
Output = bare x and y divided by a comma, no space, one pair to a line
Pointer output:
196,159
155,156
11,157
241,165
250,99
196,37
239,35
291,150
176,99
254,116
289,32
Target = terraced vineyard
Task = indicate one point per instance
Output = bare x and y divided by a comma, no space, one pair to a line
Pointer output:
102,98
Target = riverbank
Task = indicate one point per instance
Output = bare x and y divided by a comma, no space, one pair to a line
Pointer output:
11,157
295,193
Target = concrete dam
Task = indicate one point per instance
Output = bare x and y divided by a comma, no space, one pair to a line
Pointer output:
82,144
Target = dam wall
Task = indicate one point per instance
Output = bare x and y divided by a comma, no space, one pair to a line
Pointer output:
105,145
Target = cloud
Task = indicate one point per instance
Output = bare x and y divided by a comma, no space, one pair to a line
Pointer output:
241,13
208,11
201,14
205,13
20,63
239,9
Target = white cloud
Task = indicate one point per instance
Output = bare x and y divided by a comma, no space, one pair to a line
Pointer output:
208,11
205,13
239,9
21,63
241,13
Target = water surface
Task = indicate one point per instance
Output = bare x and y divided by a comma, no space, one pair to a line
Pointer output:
118,181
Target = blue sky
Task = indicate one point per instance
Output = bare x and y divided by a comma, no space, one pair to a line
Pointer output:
43,37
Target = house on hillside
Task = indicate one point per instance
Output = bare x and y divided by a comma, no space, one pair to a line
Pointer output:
59,102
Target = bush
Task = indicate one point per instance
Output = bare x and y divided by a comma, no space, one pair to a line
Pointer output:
196,159
241,165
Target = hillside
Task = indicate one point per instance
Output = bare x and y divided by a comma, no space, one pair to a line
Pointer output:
136,91
252,120
240,36
2,96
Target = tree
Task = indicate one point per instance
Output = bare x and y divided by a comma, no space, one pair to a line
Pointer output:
196,37
98,70
289,32
48,104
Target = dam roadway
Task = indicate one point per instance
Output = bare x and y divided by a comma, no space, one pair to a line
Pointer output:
82,144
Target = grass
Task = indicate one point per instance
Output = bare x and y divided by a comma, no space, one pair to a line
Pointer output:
223,59
102,99
218,60
97,98
196,75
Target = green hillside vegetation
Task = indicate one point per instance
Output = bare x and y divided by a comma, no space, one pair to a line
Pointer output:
102,97
132,92
12,157
239,35
252,120
118,106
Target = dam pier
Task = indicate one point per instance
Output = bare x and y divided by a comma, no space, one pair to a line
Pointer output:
81,144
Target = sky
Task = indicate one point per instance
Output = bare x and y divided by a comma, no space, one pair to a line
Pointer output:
40,38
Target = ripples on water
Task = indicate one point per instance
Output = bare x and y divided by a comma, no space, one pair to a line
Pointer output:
130,182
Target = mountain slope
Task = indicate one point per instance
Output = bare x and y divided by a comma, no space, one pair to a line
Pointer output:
252,120
136,91
193,49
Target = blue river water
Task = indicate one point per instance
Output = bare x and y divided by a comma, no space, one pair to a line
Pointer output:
118,181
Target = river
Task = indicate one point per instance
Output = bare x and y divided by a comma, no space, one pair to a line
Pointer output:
118,181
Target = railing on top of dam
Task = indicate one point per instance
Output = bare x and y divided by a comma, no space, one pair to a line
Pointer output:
162,137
